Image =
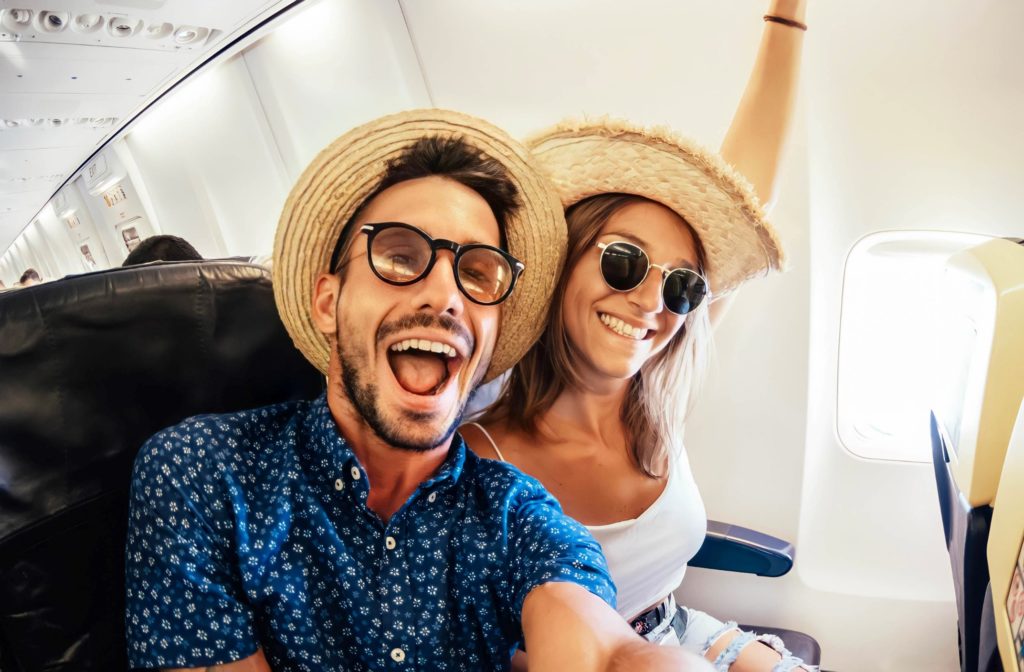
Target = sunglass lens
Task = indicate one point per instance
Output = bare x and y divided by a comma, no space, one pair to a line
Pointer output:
398,254
624,266
485,275
684,290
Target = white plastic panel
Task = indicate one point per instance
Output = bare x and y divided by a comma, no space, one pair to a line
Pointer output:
330,67
209,165
525,64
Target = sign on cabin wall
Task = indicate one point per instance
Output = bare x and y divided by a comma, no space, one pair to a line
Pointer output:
80,225
114,196
1015,608
132,232
96,173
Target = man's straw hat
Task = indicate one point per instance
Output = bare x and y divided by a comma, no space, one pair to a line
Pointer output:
586,158
348,170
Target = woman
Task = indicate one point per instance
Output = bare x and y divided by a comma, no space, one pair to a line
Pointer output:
595,411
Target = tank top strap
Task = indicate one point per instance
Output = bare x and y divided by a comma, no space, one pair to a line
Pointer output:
487,435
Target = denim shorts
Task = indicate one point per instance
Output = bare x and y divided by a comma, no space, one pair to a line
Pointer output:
697,632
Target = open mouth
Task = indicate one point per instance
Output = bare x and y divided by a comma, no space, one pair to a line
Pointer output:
619,327
422,366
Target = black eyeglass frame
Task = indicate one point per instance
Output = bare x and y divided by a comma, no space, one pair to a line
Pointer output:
665,272
457,250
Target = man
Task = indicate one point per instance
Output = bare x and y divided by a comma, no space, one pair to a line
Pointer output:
30,277
355,532
162,248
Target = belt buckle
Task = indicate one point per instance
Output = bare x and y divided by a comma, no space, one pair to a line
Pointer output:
649,620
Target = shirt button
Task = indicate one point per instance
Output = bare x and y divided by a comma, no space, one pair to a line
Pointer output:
355,473
432,498
339,484
390,543
397,655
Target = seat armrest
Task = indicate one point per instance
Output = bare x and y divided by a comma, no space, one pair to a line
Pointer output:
733,548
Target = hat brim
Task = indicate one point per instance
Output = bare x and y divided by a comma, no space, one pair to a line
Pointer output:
587,158
348,170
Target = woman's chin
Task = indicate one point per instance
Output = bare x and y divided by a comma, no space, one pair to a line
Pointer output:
611,372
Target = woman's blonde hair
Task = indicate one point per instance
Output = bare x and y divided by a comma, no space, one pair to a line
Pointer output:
659,396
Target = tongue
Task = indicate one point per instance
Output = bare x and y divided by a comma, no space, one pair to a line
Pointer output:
419,374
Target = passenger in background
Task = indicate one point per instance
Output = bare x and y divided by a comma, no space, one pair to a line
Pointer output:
355,532
162,248
657,229
30,277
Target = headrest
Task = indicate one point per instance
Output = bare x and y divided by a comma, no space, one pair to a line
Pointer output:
90,367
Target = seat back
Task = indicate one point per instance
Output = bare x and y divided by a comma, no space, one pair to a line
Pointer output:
1006,555
981,384
90,367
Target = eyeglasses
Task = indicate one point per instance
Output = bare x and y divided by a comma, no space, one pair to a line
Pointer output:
624,267
401,254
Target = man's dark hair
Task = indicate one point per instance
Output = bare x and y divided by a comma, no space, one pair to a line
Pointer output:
30,274
453,158
162,248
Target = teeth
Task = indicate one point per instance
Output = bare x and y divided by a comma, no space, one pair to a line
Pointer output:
425,346
621,328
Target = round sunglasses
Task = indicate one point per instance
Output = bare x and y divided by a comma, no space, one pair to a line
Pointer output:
401,254
624,267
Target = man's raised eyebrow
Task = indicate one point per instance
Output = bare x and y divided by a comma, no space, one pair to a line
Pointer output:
678,262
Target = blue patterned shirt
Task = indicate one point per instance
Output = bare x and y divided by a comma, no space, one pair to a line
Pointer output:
251,529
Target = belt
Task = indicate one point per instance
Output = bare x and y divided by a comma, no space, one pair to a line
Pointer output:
650,619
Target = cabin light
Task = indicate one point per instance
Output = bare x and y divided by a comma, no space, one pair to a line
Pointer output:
52,22
17,19
57,123
190,34
106,187
158,31
11,123
87,23
122,26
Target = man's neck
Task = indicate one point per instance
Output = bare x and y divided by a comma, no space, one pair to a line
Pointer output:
393,473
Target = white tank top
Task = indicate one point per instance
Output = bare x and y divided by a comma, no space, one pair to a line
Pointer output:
647,555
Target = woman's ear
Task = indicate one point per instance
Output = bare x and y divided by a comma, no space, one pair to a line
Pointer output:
325,302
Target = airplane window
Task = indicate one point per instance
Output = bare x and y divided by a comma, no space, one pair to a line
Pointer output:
890,344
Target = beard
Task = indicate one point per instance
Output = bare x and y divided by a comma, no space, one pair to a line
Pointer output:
405,432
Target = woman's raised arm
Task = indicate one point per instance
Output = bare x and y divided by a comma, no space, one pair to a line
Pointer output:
753,144
754,141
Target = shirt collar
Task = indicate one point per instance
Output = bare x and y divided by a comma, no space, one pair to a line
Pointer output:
325,435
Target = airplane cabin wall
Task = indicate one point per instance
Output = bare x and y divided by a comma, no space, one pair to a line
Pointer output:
907,119
220,155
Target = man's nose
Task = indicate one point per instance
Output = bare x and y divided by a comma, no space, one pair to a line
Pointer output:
439,291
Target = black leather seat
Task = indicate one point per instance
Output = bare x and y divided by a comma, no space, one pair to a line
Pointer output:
91,366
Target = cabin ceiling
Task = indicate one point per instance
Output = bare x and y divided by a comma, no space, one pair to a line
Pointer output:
72,72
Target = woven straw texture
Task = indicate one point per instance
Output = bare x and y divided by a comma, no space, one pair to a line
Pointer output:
583,158
347,171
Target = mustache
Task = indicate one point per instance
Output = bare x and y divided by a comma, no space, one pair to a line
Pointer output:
426,320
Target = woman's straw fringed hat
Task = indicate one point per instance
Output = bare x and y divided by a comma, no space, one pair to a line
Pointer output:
589,157
348,170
